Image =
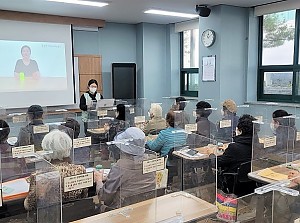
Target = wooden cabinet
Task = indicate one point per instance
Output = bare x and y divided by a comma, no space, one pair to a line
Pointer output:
90,67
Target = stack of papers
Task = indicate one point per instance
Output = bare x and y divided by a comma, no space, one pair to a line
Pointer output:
270,174
184,152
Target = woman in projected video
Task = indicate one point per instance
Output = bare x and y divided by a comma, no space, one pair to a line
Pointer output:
26,67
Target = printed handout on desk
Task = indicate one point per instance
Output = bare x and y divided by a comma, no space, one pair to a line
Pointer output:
185,153
270,174
82,142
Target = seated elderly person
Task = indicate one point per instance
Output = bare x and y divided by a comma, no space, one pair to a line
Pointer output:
58,144
156,122
11,168
126,178
229,110
26,135
166,141
238,152
181,117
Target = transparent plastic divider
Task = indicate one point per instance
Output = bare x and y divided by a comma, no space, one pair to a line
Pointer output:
59,116
155,121
226,125
22,172
192,180
272,153
273,106
48,192
138,179
13,163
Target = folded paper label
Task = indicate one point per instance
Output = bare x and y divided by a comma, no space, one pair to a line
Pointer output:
225,124
153,165
82,142
22,151
40,129
78,182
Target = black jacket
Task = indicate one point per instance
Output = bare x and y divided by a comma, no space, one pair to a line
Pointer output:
238,152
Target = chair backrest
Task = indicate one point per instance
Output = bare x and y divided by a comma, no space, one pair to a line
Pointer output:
243,171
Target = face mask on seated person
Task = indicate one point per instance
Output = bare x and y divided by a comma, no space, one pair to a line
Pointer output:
93,90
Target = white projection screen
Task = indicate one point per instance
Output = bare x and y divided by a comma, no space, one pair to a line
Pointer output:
35,64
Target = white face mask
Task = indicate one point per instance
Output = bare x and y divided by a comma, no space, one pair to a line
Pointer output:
149,114
272,126
93,90
237,132
222,112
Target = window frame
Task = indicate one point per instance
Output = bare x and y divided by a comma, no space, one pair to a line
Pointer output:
295,67
183,71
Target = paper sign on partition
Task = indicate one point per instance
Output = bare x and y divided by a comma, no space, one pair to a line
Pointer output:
131,110
22,151
78,182
225,124
82,142
19,118
190,128
298,136
40,129
102,112
259,118
139,119
153,165
269,141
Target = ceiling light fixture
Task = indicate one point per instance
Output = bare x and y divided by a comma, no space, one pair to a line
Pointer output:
168,13
80,2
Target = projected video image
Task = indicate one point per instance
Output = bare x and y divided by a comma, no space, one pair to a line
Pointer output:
32,66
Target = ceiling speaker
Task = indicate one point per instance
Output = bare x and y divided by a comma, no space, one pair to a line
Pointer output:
202,10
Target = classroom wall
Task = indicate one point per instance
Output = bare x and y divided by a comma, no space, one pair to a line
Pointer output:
154,48
230,24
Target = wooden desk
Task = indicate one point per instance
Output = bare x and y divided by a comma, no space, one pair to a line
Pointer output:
158,209
16,189
97,131
201,150
282,169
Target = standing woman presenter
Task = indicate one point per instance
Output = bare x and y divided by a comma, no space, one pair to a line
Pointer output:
88,101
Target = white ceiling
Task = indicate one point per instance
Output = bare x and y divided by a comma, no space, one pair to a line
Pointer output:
122,11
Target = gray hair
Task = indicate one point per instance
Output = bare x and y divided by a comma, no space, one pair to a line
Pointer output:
57,142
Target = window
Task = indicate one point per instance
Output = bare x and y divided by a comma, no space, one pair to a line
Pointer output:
279,67
189,72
